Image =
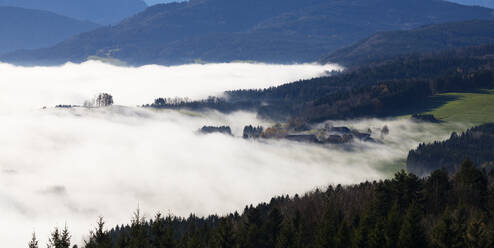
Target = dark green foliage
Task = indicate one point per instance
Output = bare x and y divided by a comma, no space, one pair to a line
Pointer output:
377,237
225,235
436,189
399,212
475,144
412,234
449,231
471,185
364,231
327,229
343,238
393,227
59,239
398,86
479,234
99,238
162,232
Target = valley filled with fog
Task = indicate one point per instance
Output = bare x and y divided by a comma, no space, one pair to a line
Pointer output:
69,166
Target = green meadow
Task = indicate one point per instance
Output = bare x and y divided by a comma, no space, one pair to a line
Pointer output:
473,107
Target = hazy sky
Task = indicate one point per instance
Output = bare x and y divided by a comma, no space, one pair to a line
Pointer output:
60,166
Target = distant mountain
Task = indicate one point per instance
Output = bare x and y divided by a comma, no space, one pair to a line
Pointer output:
424,39
279,31
484,3
27,29
99,11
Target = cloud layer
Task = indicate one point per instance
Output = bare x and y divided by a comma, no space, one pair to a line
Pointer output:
71,165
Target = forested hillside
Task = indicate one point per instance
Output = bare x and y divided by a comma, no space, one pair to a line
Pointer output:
428,38
393,87
476,144
406,211
277,31
27,29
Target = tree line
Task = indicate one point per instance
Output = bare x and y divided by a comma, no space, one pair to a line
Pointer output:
476,144
385,88
440,210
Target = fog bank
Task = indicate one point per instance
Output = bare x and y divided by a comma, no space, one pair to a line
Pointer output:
70,166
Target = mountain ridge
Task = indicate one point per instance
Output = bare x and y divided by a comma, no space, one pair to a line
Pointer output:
99,11
272,31
28,29
428,38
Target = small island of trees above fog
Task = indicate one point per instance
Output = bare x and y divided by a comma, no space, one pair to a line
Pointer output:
101,100
302,132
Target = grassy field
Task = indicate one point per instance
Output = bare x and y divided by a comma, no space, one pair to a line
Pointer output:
475,108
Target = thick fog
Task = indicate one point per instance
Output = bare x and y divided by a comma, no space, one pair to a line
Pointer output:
69,166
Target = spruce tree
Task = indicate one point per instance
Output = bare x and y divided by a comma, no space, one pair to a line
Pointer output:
287,237
34,242
272,227
412,234
363,231
478,235
224,236
325,236
377,238
138,236
443,235
99,238
343,239
162,232
59,239
393,227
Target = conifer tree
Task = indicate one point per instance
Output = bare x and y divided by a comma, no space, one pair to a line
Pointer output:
412,234
99,238
393,227
443,234
377,238
138,236
224,236
287,237
59,239
478,235
34,242
363,231
327,229
343,239
162,232
471,186
273,226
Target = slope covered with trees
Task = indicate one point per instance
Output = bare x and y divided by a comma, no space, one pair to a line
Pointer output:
280,31
476,144
406,211
393,87
99,11
428,38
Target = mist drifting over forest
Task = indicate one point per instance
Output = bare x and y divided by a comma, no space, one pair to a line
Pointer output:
69,166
